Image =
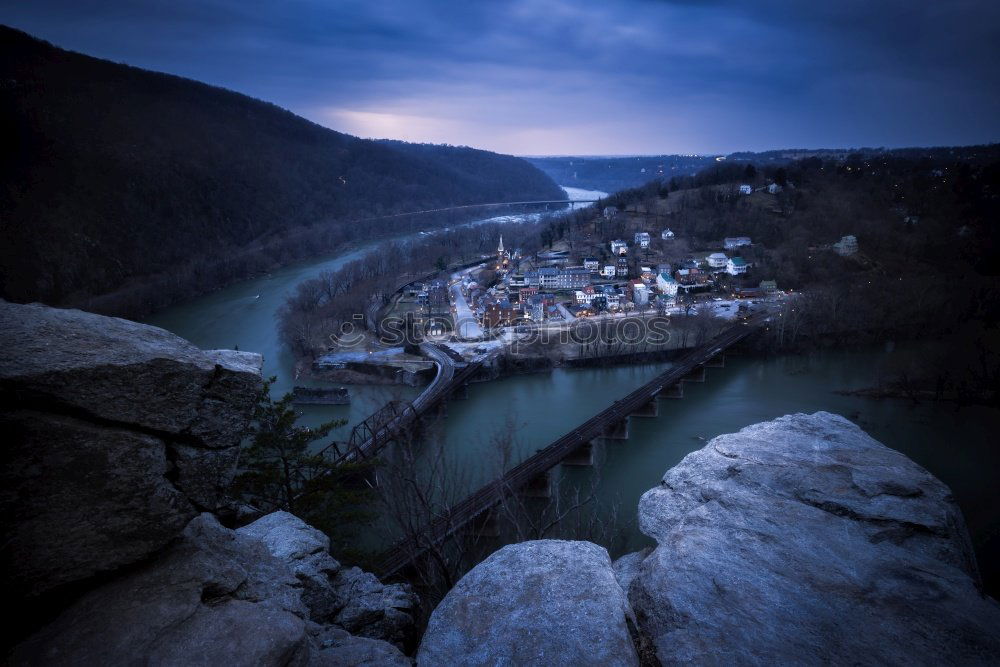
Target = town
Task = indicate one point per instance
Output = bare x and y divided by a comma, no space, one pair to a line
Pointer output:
650,272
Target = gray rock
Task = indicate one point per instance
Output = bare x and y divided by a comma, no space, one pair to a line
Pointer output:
548,602
83,498
339,648
212,598
373,609
804,541
305,551
351,598
122,433
627,567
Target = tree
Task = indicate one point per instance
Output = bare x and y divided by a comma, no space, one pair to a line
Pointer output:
279,472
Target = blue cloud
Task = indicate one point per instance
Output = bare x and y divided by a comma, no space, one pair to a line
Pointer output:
561,76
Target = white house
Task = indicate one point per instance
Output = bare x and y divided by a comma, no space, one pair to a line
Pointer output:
734,242
717,260
736,266
608,271
591,264
619,247
666,284
847,245
667,235
610,212
774,188
642,238
584,297
746,189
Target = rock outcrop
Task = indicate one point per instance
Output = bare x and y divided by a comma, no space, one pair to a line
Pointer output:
215,597
123,436
348,597
804,541
548,602
118,434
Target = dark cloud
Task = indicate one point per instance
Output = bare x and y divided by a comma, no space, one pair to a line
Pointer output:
562,76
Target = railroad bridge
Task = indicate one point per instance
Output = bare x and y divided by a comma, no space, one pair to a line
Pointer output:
396,418
530,477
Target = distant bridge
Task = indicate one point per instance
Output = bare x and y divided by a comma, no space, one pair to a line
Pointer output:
499,204
691,368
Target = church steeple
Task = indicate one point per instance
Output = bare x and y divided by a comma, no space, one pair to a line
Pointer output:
500,247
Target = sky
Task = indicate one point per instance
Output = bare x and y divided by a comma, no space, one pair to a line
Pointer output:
555,77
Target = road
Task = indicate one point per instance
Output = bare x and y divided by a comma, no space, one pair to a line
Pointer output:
466,325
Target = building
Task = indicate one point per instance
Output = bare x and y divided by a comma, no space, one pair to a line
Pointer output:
516,280
666,284
717,260
608,271
647,273
548,277
774,188
621,267
667,235
582,310
573,277
734,242
847,245
640,292
642,238
591,264
498,313
736,266
503,256
746,189
525,293
585,295
537,308
768,287
612,297
619,247
610,212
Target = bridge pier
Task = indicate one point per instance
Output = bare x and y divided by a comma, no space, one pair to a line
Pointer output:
696,375
651,409
583,456
616,431
718,361
485,526
673,391
539,487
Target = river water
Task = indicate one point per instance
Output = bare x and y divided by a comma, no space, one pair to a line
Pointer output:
958,445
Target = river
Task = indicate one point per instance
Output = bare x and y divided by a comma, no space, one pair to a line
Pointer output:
958,445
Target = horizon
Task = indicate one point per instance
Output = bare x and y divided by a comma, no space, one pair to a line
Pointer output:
543,78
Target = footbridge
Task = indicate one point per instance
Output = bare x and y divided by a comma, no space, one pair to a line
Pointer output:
397,417
609,423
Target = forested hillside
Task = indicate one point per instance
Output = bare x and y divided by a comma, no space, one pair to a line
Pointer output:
112,175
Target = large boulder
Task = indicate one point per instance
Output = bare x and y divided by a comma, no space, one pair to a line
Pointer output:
548,602
348,597
804,541
118,435
214,597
